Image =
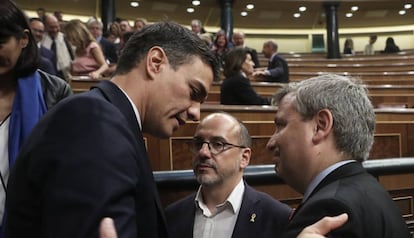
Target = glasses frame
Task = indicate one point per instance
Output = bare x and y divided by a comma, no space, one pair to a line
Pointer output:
226,146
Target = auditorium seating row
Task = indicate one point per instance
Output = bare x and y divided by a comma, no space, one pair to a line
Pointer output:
371,78
380,95
394,136
394,69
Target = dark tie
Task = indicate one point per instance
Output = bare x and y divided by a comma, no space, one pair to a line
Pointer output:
53,46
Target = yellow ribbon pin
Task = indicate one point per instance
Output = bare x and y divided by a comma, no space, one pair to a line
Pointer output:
253,217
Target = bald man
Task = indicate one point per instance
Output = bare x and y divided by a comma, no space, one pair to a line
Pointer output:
224,205
55,41
238,41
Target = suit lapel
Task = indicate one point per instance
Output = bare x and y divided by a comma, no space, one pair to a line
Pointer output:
249,212
114,95
346,170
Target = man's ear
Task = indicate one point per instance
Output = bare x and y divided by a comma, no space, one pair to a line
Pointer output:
24,41
245,160
156,58
323,125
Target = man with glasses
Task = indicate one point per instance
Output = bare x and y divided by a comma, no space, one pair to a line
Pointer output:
224,206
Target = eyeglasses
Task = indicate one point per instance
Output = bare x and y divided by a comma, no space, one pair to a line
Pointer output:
215,146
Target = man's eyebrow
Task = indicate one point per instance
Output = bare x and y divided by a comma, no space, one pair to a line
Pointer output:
199,91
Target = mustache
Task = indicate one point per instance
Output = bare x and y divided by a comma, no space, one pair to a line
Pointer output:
205,163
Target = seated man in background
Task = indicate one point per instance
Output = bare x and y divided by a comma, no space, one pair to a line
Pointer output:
224,206
324,130
47,56
277,69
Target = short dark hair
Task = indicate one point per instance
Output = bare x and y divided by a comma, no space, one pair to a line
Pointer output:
180,45
13,22
233,61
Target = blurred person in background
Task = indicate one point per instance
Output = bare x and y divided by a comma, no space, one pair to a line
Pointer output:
89,58
46,56
55,41
238,41
236,88
139,23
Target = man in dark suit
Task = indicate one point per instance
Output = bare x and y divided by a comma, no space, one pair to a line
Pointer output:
224,206
86,159
47,57
277,69
324,130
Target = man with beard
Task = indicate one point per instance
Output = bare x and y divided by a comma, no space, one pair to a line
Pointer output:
224,206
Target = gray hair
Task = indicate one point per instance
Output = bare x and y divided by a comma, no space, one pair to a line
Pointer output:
92,21
346,98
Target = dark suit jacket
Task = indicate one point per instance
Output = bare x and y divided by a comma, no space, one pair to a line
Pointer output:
237,90
46,65
48,56
109,50
279,70
85,160
271,216
372,212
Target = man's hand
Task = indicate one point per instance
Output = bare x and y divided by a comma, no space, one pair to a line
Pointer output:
323,226
107,228
317,230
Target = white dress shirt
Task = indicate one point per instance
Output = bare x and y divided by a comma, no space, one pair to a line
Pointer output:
219,223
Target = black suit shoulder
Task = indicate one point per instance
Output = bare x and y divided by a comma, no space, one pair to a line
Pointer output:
349,189
279,70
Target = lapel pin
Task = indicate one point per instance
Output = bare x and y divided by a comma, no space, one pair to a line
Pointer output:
252,217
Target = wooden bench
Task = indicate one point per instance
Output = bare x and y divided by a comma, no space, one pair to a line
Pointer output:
385,77
376,59
380,95
81,84
350,67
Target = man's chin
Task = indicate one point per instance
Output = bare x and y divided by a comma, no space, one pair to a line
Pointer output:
206,181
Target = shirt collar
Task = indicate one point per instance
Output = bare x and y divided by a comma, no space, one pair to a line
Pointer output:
271,58
134,108
234,200
321,176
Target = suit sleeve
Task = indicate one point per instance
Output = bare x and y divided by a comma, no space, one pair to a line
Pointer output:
313,212
85,170
277,68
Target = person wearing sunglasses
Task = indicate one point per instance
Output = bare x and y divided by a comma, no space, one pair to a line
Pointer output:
224,205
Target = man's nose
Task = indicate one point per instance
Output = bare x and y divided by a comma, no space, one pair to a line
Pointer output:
193,113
